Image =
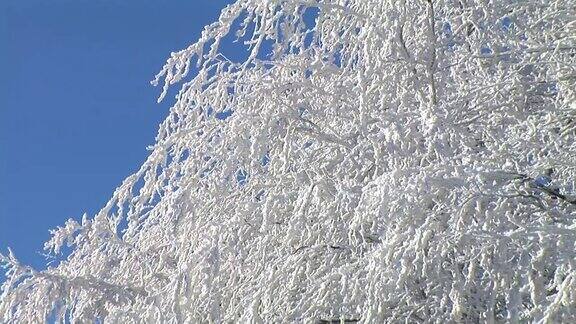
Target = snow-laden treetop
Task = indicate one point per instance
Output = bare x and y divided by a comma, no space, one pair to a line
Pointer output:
370,160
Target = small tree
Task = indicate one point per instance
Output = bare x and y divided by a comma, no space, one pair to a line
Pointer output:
374,161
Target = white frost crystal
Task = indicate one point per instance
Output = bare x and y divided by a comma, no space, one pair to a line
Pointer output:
369,161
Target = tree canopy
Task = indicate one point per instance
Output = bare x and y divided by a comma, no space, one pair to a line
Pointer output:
369,160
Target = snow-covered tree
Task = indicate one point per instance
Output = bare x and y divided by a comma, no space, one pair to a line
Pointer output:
369,160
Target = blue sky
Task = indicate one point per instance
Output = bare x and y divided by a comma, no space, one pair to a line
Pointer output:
76,107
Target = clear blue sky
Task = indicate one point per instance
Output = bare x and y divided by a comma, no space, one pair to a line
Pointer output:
76,107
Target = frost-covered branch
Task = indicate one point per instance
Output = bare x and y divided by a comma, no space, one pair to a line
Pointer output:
370,161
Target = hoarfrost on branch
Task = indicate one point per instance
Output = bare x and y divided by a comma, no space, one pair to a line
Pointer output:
373,161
